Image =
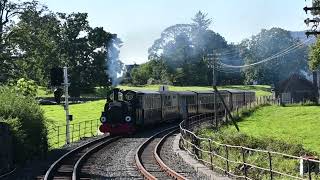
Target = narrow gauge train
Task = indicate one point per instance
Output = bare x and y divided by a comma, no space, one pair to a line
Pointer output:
126,111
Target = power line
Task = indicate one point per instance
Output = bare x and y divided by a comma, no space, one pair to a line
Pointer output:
279,54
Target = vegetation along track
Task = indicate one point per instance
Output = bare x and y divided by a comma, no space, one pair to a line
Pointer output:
148,160
69,165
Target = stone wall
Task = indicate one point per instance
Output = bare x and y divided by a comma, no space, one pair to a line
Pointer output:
6,149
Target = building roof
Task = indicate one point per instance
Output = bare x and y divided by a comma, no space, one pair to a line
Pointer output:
295,82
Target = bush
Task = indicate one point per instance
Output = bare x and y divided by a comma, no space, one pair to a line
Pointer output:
26,87
27,124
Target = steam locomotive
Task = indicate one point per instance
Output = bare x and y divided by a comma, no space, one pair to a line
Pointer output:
126,111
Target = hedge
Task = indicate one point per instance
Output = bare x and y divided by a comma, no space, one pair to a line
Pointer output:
27,124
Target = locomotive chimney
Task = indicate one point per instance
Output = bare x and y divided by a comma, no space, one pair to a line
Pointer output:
115,94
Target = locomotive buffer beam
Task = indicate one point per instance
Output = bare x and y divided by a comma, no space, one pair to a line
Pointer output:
227,109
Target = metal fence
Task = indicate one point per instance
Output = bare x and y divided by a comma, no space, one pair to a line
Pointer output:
57,134
243,162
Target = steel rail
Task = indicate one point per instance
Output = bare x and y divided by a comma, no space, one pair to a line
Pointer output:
156,154
141,148
85,156
55,166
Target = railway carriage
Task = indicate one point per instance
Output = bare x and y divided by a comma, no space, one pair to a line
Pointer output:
126,111
187,104
205,101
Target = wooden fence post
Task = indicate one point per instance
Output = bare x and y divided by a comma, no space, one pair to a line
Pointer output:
58,135
270,165
244,163
227,159
72,132
210,148
79,130
91,128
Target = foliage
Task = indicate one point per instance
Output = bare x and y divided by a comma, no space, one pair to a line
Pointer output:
152,72
314,55
315,3
266,44
9,11
36,40
26,87
27,124
182,47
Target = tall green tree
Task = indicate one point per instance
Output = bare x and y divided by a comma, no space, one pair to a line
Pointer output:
183,46
268,43
10,11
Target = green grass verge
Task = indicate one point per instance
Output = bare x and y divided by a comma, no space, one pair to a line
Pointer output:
261,90
292,130
295,124
84,124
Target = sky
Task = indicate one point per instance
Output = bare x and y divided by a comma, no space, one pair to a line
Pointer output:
140,22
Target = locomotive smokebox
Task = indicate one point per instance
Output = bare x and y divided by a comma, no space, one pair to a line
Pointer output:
116,94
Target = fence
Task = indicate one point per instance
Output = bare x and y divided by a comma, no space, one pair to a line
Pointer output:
57,134
243,162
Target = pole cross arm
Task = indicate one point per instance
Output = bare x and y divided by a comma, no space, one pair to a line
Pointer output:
306,9
315,33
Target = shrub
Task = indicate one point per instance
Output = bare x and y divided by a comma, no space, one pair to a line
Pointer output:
27,124
26,87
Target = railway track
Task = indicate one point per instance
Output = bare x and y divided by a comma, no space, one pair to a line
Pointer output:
70,164
148,160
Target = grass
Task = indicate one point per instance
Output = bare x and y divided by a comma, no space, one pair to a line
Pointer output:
85,121
291,130
295,124
261,90
81,112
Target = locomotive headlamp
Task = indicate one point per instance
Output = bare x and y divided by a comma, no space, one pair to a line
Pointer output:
127,119
129,96
103,119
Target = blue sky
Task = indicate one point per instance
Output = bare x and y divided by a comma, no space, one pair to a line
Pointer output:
139,22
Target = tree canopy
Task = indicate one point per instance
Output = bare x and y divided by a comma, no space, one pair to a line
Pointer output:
34,40
266,44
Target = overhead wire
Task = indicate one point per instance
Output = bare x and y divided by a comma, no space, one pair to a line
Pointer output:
279,54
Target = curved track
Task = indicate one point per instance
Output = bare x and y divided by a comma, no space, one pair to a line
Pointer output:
69,165
148,160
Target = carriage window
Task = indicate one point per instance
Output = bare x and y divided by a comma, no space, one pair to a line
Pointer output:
167,101
190,99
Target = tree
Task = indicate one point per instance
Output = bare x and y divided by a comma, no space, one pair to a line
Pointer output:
182,48
9,12
268,43
314,55
200,21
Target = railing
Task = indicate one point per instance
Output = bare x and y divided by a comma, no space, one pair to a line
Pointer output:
57,134
243,162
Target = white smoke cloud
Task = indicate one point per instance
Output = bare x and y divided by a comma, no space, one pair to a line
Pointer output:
115,68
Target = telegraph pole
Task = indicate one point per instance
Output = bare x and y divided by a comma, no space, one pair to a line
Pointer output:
66,101
212,58
315,21
212,62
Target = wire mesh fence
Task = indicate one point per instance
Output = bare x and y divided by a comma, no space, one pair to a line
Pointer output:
243,162
57,134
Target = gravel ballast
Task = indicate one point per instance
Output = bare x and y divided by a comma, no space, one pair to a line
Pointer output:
173,161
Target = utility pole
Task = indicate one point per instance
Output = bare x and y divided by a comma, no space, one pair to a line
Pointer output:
212,63
212,58
66,101
315,21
